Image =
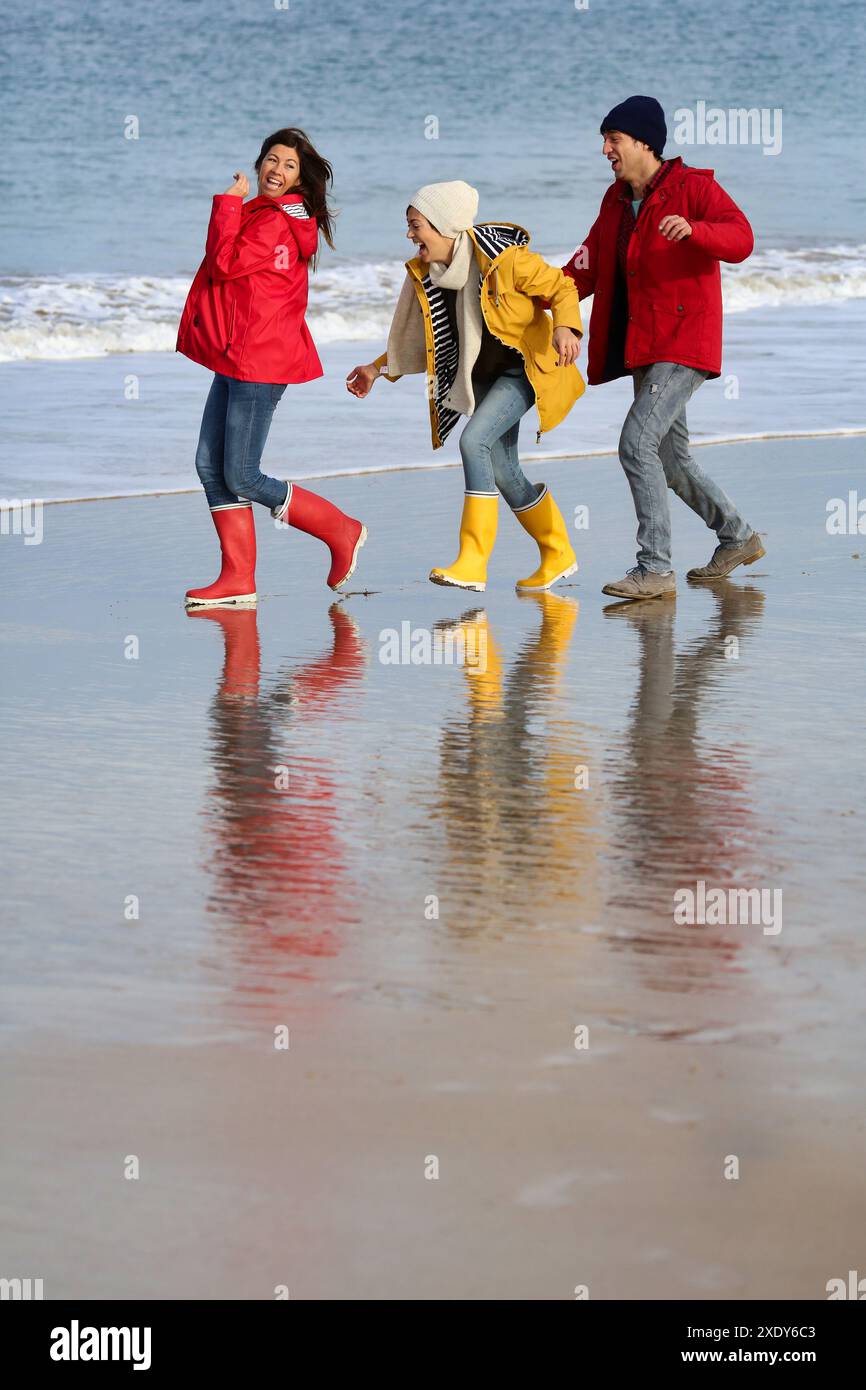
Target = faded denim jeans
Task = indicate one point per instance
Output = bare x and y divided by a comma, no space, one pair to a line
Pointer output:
654,452
488,444
234,431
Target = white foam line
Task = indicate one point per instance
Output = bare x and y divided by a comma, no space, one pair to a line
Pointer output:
713,440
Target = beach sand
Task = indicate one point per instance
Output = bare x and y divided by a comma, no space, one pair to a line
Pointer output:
431,876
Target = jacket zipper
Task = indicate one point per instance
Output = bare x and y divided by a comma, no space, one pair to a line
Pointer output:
231,328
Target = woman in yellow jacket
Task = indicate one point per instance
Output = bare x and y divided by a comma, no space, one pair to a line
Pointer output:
471,314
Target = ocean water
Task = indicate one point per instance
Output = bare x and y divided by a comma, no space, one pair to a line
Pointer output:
105,231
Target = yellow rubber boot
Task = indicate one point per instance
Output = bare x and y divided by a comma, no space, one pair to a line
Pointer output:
477,536
543,520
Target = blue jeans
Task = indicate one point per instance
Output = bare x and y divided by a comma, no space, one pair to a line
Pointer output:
234,431
488,444
654,452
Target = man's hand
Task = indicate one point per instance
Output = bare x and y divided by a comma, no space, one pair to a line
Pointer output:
674,228
240,188
567,345
360,379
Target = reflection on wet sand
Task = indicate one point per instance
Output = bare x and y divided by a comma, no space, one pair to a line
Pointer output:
275,860
680,789
520,835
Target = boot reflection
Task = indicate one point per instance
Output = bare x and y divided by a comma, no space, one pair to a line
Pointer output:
520,836
681,796
274,853
319,685
546,655
242,662
473,640
737,613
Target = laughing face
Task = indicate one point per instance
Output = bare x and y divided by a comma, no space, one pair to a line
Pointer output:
625,155
280,171
430,245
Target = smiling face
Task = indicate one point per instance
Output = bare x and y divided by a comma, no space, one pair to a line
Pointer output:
280,171
431,245
630,159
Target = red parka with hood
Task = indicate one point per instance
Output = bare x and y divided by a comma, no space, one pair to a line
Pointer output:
244,314
671,310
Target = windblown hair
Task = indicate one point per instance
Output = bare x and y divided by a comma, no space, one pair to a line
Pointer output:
316,176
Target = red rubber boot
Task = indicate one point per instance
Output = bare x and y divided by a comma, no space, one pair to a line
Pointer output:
342,534
237,582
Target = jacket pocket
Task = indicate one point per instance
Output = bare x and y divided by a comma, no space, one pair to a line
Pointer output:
538,347
678,329
545,361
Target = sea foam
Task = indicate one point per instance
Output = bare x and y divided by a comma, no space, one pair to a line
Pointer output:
58,318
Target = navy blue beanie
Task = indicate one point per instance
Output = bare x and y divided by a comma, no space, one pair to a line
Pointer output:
640,117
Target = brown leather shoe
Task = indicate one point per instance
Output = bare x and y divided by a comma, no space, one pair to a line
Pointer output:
727,557
640,583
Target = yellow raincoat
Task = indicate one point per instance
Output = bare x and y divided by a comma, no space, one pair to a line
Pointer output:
517,286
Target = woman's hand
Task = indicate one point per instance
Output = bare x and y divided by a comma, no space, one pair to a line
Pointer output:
360,379
567,344
240,188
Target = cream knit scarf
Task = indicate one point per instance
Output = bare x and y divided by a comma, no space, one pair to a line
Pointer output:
406,349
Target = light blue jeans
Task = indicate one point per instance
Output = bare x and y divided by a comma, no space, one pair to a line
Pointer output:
234,431
654,452
488,444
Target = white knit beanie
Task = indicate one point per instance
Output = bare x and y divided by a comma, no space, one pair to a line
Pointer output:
451,207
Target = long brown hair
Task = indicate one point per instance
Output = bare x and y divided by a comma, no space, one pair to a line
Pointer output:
316,175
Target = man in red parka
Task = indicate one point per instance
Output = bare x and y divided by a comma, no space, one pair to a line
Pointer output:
651,260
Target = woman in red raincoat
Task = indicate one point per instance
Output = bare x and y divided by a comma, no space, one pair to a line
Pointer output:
244,320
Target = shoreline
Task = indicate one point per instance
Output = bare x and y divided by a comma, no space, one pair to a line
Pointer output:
720,441
129,426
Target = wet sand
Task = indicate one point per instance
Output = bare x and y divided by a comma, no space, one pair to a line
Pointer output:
256,823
